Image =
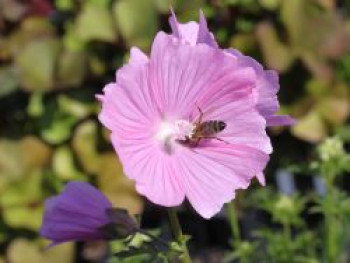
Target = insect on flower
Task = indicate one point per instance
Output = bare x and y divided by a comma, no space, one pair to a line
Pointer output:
204,130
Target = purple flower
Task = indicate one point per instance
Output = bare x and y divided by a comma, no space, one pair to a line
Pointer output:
83,213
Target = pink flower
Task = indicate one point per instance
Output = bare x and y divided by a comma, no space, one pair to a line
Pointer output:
267,84
153,110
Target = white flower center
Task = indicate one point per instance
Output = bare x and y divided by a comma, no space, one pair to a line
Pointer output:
170,132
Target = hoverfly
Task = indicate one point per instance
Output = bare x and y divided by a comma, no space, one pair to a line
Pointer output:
205,130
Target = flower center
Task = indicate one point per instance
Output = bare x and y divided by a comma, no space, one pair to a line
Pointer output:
170,132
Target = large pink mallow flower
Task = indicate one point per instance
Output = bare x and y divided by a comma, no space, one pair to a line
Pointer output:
189,121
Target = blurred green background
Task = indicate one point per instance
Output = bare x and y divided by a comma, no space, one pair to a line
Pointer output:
56,55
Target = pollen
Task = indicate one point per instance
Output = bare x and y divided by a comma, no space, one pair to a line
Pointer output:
170,133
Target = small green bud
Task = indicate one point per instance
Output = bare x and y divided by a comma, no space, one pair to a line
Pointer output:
332,148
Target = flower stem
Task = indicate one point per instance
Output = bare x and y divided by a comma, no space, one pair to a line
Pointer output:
236,234
233,220
330,220
177,232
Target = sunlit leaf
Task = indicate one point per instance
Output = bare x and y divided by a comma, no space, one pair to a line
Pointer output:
30,145
276,54
95,23
318,66
317,30
137,21
39,75
9,156
119,189
36,107
335,109
310,128
21,202
163,6
64,166
9,80
59,130
17,158
58,122
74,107
85,145
270,4
22,250
64,4
71,68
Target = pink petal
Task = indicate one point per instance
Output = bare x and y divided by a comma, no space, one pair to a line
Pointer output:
155,173
182,75
261,178
267,87
280,120
137,56
213,172
192,32
234,104
129,106
204,35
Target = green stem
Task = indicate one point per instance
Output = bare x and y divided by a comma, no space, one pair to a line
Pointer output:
287,233
233,220
236,234
330,220
177,232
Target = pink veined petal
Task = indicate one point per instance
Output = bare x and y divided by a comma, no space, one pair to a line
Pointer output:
154,171
130,106
213,172
266,88
204,35
137,56
243,125
183,74
192,32
234,104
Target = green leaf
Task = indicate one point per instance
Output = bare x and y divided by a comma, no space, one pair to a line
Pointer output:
137,21
35,106
9,80
310,128
36,62
276,54
95,23
71,68
63,164
270,4
163,6
65,5
22,250
21,202
85,146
